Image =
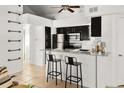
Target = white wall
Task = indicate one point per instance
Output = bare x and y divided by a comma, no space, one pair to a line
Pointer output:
36,20
26,47
36,42
71,21
107,31
65,19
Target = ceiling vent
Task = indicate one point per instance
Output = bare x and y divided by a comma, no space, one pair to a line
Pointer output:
93,9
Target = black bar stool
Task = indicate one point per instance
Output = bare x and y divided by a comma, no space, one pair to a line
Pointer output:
51,62
72,61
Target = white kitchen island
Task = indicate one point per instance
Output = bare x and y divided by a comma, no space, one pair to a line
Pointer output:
91,71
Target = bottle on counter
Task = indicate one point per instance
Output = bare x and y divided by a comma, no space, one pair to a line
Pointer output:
97,48
103,47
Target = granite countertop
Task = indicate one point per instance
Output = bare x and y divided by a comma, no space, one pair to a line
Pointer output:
74,51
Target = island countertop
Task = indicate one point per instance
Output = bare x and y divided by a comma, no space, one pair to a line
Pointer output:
73,51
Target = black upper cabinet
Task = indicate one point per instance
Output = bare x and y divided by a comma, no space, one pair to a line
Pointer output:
60,30
84,32
68,30
64,30
48,37
96,26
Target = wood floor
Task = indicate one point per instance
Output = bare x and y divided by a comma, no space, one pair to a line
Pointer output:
35,75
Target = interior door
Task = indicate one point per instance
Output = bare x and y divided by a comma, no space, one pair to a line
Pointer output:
37,45
120,50
40,45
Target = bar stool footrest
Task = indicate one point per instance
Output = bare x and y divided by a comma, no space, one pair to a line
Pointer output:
54,73
79,79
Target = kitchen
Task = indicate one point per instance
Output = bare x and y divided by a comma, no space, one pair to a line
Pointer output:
93,34
81,43
104,30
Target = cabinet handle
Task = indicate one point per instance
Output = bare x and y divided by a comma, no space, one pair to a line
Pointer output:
120,55
9,21
14,40
18,31
11,50
14,13
14,59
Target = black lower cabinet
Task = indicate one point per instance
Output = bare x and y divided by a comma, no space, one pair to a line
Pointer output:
54,41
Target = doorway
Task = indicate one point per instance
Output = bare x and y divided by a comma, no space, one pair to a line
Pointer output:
120,51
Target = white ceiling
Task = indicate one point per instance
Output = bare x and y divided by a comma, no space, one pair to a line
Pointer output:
49,11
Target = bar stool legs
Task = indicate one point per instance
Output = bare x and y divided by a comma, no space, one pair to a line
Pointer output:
70,72
66,75
52,68
81,77
61,70
47,72
77,76
54,73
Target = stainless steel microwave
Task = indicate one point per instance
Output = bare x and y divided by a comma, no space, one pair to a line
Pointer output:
74,36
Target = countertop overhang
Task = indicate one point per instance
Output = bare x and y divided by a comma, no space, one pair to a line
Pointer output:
78,52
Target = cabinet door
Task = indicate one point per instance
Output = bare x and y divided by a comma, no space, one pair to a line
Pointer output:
68,30
96,27
84,32
54,41
88,70
48,37
65,30
120,51
66,41
104,71
59,30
